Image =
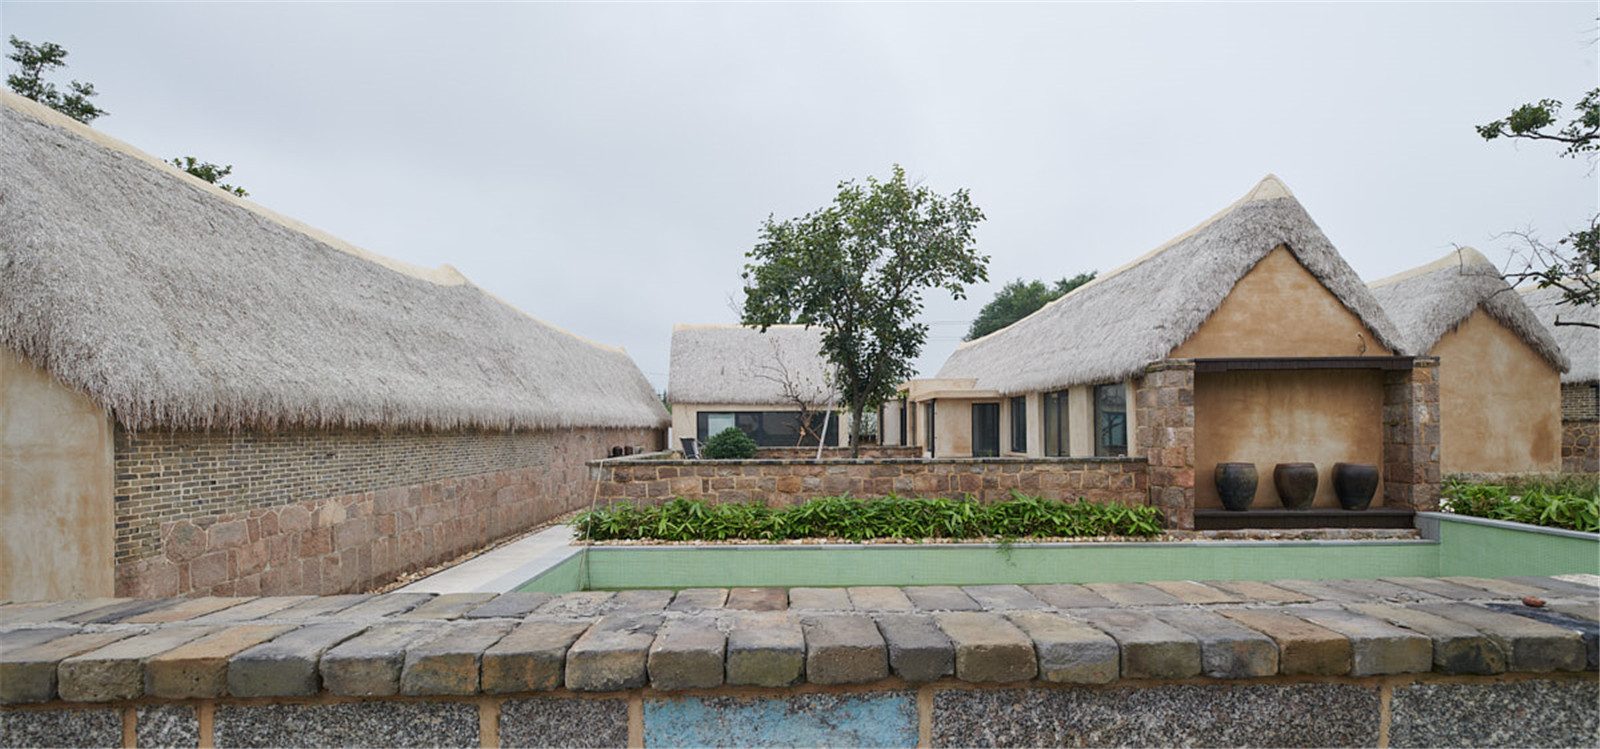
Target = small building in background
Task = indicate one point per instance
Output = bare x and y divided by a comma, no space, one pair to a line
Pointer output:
761,382
1574,329
1500,368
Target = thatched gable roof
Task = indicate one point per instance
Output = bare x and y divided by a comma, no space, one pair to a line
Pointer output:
1431,300
1114,326
1581,344
739,365
173,304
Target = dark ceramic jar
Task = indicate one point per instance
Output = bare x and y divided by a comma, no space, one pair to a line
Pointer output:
1355,483
1296,484
1236,485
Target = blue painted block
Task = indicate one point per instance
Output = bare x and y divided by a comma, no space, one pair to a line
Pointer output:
869,719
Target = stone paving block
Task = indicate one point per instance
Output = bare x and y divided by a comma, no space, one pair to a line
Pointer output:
940,598
1151,648
757,599
1304,649
117,612
17,608
580,604
369,664
1435,586
698,599
1497,588
509,606
1003,597
1190,591
449,660
116,671
1320,590
639,602
1457,648
1134,594
28,674
564,722
688,654
1588,629
1529,645
1228,649
258,608
820,599
612,655
199,669
166,726
1069,596
93,727
432,723
192,608
1533,712
918,649
386,605
1379,590
866,719
879,598
448,606
324,606
1376,647
844,649
1259,592
1584,611
532,658
1069,651
988,647
1557,588
56,612
765,649
1282,715
17,639
287,665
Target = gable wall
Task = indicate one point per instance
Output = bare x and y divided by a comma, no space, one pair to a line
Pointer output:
1500,401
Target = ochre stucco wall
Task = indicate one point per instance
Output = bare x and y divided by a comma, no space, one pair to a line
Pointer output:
1279,309
1266,418
56,511
1500,402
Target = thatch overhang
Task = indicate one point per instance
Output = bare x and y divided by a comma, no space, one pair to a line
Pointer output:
173,304
1111,328
738,365
1581,343
1432,300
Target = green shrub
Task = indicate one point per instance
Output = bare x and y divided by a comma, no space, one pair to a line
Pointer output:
1571,502
895,517
729,444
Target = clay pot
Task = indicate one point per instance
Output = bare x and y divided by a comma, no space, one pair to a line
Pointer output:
1355,483
1296,484
1236,484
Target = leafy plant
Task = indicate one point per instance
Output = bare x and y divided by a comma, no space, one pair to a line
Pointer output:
730,444
1571,502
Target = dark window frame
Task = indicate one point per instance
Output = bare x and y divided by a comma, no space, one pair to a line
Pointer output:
985,430
1057,412
756,425
1110,426
1019,424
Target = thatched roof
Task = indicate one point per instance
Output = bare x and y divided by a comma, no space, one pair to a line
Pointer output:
173,304
1581,344
739,365
1114,326
1429,301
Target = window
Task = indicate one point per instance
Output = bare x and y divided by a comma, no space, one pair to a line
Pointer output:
1110,420
904,439
767,428
1019,424
927,425
1056,443
985,430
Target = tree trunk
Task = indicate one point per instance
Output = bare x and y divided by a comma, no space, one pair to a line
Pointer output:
855,429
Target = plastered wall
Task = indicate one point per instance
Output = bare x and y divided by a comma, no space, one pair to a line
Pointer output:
1501,402
56,512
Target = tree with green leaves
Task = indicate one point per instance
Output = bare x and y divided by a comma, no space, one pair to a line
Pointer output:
1571,264
210,172
32,63
1018,299
858,270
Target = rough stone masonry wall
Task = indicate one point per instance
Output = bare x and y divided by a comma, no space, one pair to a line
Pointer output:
321,512
1164,406
1580,427
780,483
1410,662
1411,471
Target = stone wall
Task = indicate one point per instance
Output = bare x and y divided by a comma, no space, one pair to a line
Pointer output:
781,483
1580,401
1411,471
1580,446
332,512
1164,406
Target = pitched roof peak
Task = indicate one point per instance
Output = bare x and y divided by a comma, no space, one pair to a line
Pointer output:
1461,257
1269,188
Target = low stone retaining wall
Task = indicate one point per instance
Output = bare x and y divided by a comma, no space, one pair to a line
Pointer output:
785,482
1580,446
1404,662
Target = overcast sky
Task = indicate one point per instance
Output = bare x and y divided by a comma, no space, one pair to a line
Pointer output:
605,167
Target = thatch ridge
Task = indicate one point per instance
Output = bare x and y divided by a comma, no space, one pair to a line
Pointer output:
745,366
173,304
1115,326
1581,344
1434,299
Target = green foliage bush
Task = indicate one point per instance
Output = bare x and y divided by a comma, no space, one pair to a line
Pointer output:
896,517
1571,502
729,444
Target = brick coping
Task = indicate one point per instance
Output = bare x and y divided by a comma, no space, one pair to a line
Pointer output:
114,650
